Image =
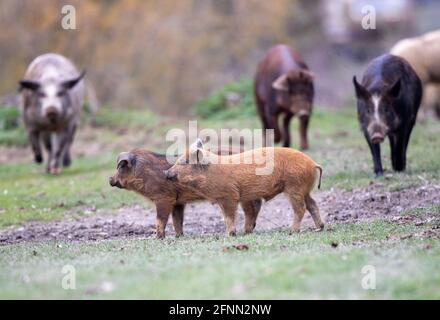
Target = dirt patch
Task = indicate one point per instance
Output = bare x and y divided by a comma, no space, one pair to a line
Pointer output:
374,201
337,206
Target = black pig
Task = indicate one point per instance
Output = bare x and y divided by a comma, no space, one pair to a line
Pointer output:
387,102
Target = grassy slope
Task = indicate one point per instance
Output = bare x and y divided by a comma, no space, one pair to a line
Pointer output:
276,266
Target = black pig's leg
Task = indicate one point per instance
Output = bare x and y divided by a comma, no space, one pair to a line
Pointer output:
398,151
34,139
177,215
286,132
375,152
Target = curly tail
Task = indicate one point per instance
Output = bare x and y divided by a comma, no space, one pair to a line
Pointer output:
320,175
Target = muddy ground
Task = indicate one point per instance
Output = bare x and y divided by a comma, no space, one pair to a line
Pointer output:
337,206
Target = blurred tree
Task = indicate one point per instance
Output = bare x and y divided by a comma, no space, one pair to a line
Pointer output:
164,54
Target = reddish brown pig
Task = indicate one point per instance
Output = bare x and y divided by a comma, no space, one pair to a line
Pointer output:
142,171
228,180
284,85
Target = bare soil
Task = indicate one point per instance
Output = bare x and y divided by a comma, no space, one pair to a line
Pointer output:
337,206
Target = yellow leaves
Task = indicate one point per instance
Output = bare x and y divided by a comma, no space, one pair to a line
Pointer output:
167,53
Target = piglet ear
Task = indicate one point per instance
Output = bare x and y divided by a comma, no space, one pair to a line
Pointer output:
394,89
198,144
126,159
361,91
197,154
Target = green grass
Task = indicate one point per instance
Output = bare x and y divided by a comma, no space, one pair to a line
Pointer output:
8,118
275,266
27,193
13,137
11,134
118,118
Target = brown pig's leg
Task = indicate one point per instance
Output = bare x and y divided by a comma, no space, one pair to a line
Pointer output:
162,214
178,219
286,131
303,125
314,212
229,208
271,122
251,210
299,208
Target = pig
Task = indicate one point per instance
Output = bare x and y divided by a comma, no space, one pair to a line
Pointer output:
388,99
284,85
52,95
142,171
230,179
423,54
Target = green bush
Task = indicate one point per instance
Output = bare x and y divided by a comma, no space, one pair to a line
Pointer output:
215,106
8,118
15,137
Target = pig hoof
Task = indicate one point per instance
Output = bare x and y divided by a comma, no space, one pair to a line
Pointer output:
66,161
38,158
55,171
180,234
232,233
295,231
160,236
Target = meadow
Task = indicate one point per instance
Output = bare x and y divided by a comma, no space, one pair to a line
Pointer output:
403,246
